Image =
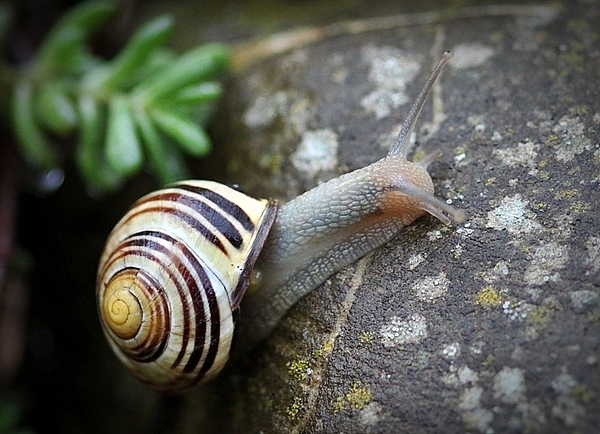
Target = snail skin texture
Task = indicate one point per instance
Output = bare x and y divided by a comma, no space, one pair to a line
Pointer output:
176,266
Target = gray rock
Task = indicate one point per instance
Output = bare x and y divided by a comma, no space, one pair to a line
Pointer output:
489,326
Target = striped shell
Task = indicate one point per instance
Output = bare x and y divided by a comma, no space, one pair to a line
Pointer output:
167,297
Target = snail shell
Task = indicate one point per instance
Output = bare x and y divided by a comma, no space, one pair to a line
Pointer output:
167,300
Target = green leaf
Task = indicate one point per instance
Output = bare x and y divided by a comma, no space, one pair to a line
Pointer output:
157,61
55,109
29,134
165,162
200,64
188,134
89,159
62,51
122,147
197,93
143,43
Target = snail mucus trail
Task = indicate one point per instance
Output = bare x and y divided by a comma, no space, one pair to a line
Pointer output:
176,267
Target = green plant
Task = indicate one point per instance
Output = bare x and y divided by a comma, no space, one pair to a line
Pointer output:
124,112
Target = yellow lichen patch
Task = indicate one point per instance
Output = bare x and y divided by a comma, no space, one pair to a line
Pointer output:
299,369
324,351
579,110
338,404
365,337
566,194
489,361
490,181
419,155
497,37
593,316
358,396
294,408
579,207
271,162
583,394
488,297
540,316
553,139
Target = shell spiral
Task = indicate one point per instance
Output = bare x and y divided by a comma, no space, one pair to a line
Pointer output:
172,275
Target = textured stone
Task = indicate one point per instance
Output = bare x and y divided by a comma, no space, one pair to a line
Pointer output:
517,116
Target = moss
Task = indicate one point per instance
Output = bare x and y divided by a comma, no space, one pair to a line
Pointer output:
488,297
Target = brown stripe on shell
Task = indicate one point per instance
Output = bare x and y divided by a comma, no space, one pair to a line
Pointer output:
212,214
144,239
195,356
189,219
228,207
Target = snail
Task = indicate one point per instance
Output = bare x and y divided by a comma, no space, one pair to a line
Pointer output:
177,267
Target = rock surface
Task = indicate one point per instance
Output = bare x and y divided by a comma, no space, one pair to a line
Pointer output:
488,326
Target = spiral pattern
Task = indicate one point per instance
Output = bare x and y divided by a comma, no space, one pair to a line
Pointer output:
173,271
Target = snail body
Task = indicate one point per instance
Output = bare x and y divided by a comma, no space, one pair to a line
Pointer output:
175,269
